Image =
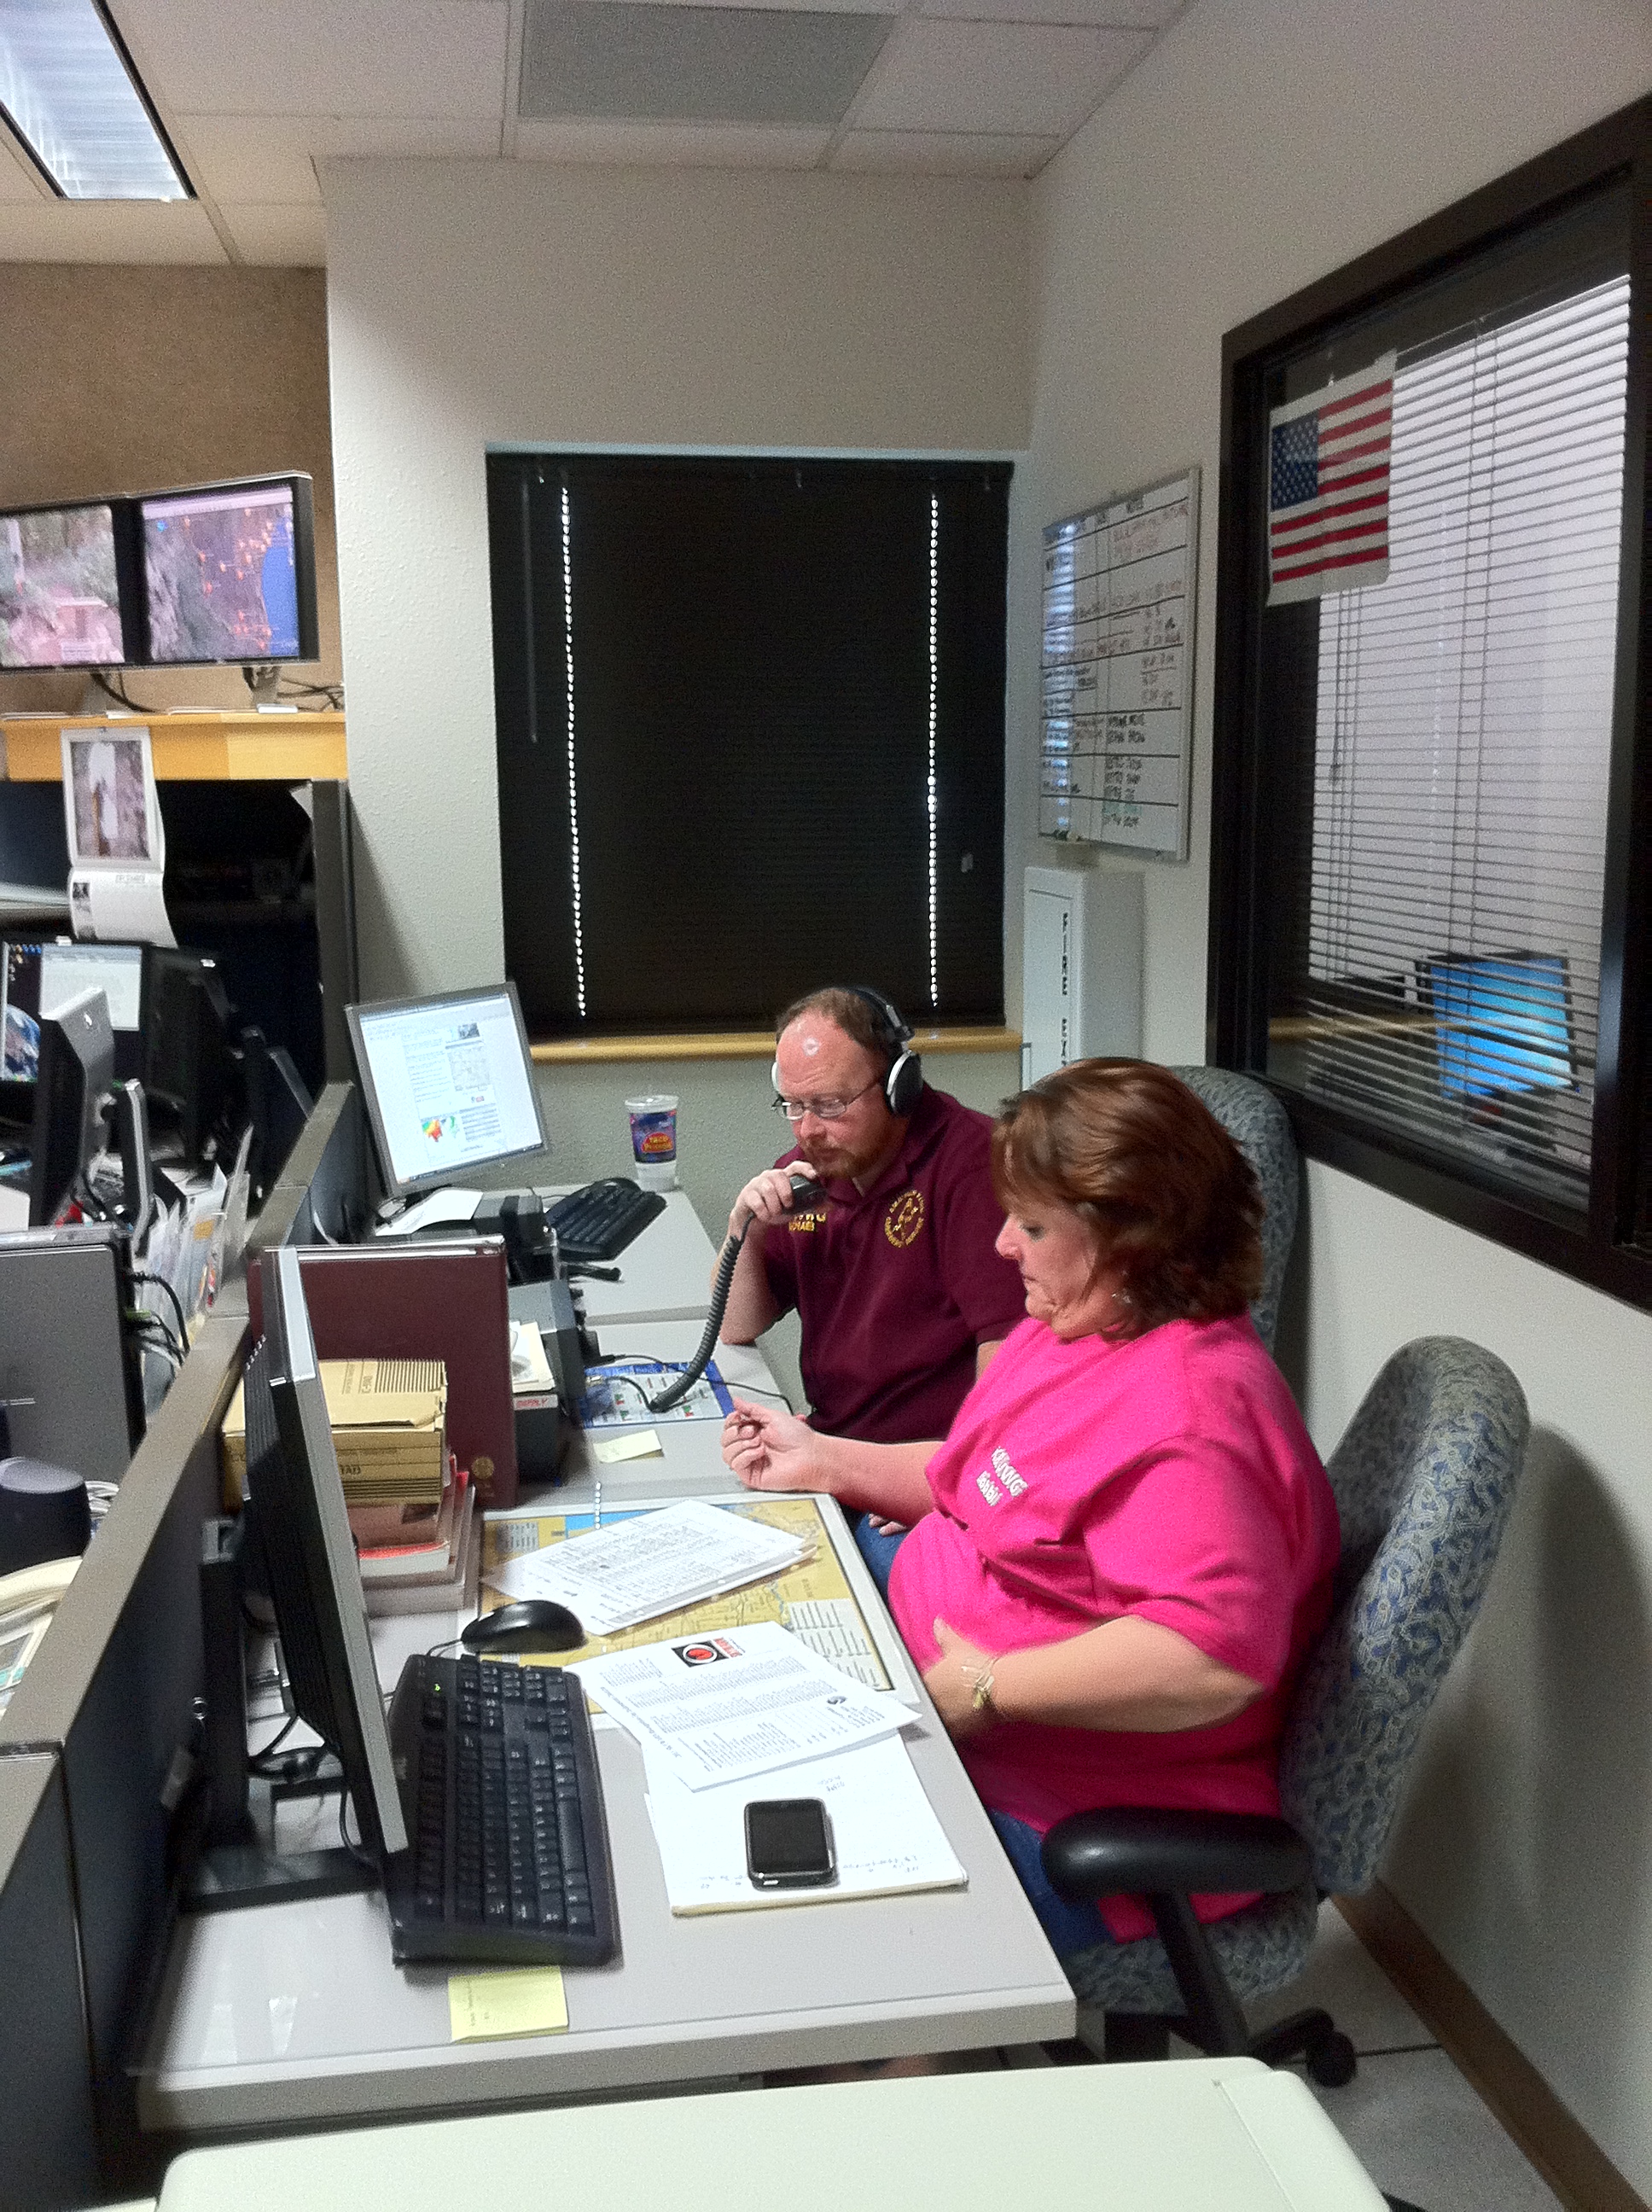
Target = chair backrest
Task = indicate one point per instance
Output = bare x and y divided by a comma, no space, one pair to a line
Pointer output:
1423,1480
1259,1125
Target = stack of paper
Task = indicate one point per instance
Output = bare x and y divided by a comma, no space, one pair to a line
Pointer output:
650,1564
750,1713
884,1831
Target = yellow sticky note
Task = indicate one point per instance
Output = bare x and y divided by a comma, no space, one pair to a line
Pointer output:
519,2000
630,1444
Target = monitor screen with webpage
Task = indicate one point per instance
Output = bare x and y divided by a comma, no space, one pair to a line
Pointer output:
448,1083
38,978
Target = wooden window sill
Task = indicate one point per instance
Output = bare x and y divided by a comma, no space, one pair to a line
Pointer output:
743,1044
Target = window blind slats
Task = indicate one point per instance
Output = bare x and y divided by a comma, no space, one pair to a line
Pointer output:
1445,978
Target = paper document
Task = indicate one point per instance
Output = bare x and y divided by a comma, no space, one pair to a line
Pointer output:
884,1831
721,1707
651,1564
116,840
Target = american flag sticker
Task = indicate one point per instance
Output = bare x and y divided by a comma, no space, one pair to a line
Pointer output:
1327,487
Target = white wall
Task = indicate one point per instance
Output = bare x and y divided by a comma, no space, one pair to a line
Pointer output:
477,304
1261,144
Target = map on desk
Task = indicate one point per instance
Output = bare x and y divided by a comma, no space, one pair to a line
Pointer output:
617,1395
812,1599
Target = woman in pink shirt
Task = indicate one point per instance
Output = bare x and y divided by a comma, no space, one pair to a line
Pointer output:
1118,1560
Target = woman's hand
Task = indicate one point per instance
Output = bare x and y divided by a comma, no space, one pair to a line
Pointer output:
952,1682
772,1451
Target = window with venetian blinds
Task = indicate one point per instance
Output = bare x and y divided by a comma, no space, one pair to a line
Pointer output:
1442,963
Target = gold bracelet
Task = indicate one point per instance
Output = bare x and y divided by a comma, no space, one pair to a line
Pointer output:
980,1679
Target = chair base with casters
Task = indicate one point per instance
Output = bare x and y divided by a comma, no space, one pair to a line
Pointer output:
1167,1858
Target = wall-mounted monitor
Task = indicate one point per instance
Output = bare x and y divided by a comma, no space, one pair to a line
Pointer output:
68,587
229,573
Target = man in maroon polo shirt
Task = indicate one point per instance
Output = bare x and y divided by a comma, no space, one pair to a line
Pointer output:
902,1295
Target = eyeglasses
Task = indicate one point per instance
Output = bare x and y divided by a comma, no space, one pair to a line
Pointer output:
824,1109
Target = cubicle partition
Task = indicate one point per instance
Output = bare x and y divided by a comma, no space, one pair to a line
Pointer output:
104,1729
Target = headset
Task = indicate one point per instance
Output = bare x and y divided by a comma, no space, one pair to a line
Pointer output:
903,1084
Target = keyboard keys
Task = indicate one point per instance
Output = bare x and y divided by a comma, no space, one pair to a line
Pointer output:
499,1795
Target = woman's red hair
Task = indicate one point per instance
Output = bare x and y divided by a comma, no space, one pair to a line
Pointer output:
1174,1201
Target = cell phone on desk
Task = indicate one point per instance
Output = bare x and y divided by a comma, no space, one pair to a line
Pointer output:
788,1844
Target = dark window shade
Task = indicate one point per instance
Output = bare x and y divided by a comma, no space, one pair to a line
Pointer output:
1445,976
737,804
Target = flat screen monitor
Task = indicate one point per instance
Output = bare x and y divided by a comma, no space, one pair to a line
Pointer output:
76,1069
1501,1025
448,1083
38,978
67,589
190,1066
292,1477
229,573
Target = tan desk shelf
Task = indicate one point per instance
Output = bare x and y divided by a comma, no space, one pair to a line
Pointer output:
195,748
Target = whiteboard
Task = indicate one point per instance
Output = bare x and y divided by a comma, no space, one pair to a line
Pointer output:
1118,630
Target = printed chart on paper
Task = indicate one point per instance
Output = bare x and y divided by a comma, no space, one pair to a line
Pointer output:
1118,619
812,1599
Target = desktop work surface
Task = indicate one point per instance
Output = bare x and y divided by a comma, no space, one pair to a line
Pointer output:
285,2015
1212,2132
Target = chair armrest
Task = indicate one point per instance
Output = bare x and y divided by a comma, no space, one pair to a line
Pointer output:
1139,1849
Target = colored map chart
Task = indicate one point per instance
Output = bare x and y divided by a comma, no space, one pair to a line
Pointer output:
812,1599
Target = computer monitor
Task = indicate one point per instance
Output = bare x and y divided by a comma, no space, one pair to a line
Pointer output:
1501,1025
448,1084
68,587
77,1067
190,1066
229,573
38,978
291,1475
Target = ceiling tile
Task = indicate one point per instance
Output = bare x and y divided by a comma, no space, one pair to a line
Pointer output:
694,64
1037,79
1104,15
943,153
279,237
268,159
727,146
376,58
132,230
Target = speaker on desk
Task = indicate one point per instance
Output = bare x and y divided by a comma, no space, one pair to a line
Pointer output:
44,1513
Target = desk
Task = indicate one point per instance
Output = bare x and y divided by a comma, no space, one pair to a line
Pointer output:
1214,2134
691,1465
286,2014
664,1274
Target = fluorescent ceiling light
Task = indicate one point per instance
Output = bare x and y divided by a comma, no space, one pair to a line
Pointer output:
69,92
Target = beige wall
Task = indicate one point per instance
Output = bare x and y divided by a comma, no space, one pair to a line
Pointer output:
1261,144
471,304
127,380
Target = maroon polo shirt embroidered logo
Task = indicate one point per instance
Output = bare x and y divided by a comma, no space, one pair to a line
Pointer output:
904,1220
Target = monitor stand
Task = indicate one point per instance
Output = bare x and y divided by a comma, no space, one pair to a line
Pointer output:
239,1865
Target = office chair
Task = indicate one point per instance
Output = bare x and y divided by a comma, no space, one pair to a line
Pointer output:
1423,1480
1259,1125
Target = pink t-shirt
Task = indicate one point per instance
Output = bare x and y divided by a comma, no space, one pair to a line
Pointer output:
1170,1477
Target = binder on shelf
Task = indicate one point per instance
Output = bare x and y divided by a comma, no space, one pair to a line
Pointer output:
444,1299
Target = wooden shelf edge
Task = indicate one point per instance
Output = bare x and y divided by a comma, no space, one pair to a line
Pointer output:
742,1044
193,748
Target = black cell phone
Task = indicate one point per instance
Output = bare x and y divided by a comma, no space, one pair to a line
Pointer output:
788,1844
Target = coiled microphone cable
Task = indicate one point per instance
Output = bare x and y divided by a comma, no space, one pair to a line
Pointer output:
807,1192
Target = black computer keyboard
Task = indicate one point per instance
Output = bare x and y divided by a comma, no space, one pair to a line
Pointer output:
509,1861
599,1222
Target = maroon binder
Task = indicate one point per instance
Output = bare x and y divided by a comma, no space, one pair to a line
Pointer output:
444,1299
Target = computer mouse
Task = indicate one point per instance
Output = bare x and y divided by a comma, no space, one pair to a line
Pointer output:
533,1624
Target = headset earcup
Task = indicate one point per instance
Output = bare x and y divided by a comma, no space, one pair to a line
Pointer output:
903,1085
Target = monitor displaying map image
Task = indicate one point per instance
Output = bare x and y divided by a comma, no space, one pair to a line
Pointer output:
228,573
59,591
